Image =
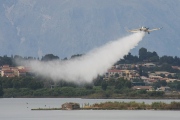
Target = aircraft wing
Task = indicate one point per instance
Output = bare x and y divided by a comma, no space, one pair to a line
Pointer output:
133,30
154,29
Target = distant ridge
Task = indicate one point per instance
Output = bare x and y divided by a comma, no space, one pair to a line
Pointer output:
67,27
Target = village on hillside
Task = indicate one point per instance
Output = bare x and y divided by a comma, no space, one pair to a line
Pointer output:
7,71
145,76
129,72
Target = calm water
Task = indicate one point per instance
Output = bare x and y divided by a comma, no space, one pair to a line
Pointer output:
20,109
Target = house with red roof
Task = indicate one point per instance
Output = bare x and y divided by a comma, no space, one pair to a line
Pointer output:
7,73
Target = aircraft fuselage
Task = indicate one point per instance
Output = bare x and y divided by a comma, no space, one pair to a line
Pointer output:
144,29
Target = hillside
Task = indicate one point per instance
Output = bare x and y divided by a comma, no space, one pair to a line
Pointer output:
67,27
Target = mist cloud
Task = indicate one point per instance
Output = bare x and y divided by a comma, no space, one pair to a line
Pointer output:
89,66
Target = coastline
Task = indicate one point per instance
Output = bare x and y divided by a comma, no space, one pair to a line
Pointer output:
122,106
102,97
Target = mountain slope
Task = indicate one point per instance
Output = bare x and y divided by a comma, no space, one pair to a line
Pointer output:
67,27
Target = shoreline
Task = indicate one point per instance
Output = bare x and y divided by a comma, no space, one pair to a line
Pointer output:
177,97
102,97
121,106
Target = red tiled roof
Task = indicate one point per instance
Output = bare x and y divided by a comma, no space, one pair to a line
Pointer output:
7,71
5,66
175,67
13,67
22,70
27,68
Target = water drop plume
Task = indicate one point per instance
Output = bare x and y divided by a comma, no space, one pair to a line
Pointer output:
89,66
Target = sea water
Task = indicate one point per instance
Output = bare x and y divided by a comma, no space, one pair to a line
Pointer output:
20,109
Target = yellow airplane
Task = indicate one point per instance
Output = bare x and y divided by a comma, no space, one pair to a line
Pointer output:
144,29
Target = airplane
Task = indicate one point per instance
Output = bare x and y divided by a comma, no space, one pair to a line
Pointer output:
144,29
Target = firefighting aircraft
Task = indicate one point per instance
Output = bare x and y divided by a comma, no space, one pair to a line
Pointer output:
144,29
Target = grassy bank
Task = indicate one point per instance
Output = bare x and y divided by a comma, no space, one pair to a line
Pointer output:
93,93
126,106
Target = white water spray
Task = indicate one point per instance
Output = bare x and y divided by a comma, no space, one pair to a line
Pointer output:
89,66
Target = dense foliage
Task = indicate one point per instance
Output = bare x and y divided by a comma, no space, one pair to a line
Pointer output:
38,87
147,56
136,106
115,87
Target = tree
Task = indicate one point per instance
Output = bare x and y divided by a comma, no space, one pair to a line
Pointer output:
111,82
104,85
169,76
116,75
156,85
130,58
176,61
163,82
49,57
167,67
142,54
35,85
155,93
159,83
1,89
16,83
88,86
140,70
177,76
162,75
5,60
120,83
154,59
174,85
98,81
7,82
75,56
68,91
166,59
128,84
